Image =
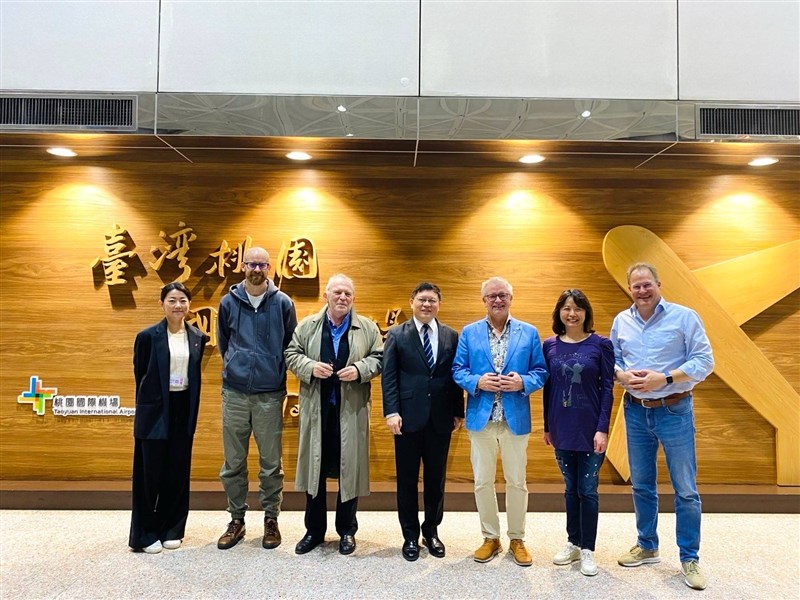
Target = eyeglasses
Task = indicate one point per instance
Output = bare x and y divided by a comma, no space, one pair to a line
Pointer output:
492,297
257,265
426,300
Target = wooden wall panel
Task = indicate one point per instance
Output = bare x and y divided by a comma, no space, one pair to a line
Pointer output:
388,228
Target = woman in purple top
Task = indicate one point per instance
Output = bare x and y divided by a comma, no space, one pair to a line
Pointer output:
577,409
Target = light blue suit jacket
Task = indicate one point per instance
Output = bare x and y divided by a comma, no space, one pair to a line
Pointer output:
524,357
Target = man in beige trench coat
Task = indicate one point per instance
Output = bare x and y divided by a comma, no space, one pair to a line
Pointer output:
334,353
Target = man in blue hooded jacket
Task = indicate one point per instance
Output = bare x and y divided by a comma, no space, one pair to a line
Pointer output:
254,325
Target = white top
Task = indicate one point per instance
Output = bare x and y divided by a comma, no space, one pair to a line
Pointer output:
256,300
178,360
433,335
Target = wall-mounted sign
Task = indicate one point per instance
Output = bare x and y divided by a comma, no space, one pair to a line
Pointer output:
115,261
227,257
175,250
72,405
297,258
205,319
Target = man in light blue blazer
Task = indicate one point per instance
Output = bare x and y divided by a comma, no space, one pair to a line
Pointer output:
499,362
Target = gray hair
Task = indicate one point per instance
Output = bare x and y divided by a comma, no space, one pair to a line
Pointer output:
339,276
499,280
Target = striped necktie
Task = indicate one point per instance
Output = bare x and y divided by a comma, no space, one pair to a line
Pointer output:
426,345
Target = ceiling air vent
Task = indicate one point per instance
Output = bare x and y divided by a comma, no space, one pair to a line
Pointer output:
68,113
757,122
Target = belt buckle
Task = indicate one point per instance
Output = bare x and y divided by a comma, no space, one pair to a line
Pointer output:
640,401
651,402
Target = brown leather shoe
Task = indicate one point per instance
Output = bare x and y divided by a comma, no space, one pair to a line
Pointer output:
520,553
488,550
232,535
272,535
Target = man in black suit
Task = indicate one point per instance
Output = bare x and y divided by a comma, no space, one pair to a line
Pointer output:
422,406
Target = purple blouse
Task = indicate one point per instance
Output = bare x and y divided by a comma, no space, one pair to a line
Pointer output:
579,392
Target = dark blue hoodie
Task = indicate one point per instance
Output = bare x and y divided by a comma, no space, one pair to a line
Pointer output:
252,340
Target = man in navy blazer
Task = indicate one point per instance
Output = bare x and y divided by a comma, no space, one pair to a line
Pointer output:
423,406
499,362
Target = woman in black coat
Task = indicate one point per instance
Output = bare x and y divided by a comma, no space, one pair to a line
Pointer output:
166,365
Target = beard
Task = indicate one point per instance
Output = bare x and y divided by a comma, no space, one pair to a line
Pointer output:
256,278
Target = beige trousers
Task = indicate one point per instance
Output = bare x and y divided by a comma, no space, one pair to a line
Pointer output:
484,445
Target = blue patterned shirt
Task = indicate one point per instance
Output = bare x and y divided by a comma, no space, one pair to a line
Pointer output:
499,347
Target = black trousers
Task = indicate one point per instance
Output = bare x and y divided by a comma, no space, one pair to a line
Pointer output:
430,448
316,517
161,474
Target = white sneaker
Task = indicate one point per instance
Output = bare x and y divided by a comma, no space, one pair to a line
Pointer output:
153,548
568,555
587,563
172,544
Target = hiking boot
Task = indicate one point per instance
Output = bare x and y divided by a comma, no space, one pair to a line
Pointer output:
639,556
520,553
488,550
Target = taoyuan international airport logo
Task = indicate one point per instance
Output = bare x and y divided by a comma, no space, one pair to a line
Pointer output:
37,396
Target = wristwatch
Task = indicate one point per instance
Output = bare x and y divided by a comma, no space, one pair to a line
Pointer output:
669,377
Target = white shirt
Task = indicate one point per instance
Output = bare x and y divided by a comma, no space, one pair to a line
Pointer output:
433,335
256,300
178,360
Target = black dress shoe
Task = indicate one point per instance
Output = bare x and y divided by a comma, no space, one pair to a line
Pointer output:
411,550
435,546
307,544
347,545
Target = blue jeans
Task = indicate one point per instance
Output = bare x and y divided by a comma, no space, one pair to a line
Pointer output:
673,426
580,471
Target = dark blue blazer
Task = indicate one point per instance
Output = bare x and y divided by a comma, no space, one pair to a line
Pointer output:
414,390
151,371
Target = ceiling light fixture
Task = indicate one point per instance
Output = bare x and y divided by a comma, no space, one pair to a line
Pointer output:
763,161
341,108
586,114
531,159
349,134
64,152
298,155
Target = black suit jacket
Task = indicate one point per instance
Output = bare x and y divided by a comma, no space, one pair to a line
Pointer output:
151,371
411,388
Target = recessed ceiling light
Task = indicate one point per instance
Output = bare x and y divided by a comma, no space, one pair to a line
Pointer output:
341,108
531,159
298,155
586,114
763,161
65,152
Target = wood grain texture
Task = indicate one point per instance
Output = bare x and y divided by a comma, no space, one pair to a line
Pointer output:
748,285
738,361
388,228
